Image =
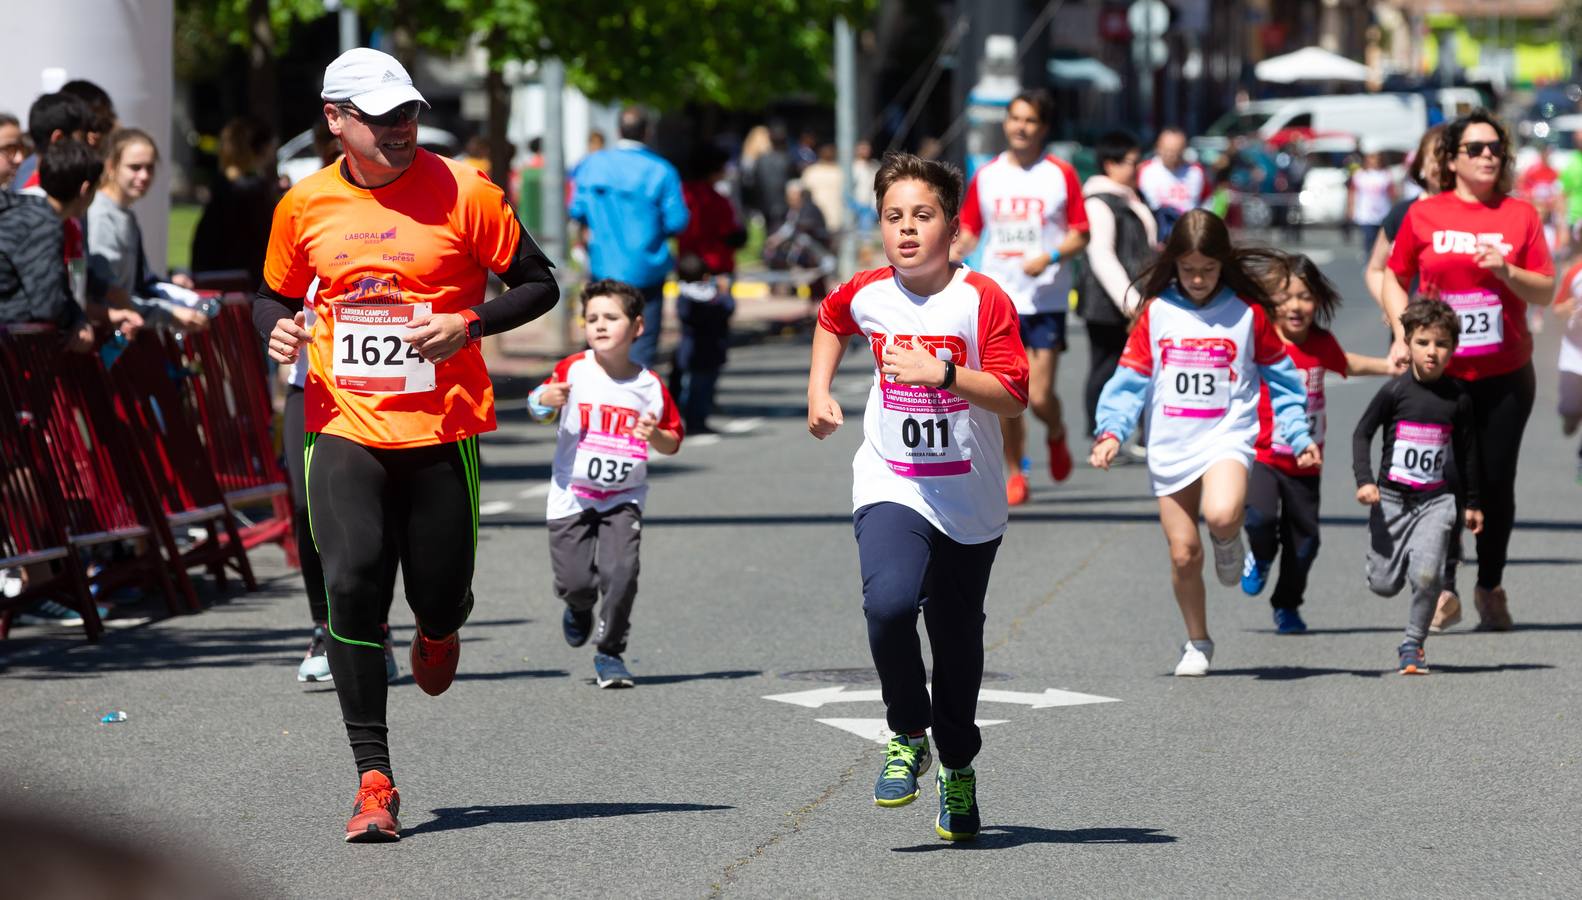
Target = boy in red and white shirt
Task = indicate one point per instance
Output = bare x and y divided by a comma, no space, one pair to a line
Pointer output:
1025,210
612,412
927,487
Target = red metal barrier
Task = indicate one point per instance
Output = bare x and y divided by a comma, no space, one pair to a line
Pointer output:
228,398
32,528
86,455
174,460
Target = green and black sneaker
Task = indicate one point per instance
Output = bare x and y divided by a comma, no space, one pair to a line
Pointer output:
958,805
904,763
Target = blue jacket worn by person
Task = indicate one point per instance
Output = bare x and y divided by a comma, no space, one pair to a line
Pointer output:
629,198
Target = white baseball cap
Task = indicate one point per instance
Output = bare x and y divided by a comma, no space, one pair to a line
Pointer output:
370,80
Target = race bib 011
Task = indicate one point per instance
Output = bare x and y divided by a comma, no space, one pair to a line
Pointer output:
919,427
371,356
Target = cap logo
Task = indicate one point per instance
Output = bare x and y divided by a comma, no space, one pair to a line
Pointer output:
391,76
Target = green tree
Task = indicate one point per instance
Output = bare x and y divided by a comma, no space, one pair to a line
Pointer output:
206,30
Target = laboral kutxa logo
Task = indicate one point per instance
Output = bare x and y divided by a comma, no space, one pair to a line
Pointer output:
370,237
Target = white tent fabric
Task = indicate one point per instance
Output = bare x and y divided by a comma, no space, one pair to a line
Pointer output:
1310,64
124,46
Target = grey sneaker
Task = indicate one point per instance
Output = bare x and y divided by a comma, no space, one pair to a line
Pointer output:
610,671
1228,559
315,665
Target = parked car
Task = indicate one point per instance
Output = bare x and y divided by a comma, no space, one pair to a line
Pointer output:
297,160
1396,121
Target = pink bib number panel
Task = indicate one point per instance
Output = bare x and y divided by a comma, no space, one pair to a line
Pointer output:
608,464
1419,456
371,355
1196,382
919,427
1482,328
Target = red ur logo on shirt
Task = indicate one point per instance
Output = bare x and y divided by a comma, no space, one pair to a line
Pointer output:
1018,209
1467,242
1206,343
617,420
930,342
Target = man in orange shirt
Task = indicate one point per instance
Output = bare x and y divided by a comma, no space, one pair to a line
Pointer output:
399,243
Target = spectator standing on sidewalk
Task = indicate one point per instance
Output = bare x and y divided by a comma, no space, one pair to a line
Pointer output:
1169,183
51,118
823,182
1122,237
233,231
34,284
12,149
629,200
706,270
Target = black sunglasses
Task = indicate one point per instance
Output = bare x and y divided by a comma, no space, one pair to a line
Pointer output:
1474,149
406,112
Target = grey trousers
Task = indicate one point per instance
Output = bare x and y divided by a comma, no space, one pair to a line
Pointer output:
1409,538
595,553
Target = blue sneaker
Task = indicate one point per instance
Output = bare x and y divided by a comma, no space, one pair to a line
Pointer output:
1412,659
1289,621
1254,575
958,805
610,671
904,763
576,626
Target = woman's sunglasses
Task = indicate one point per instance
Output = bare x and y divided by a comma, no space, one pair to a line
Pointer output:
1475,149
406,112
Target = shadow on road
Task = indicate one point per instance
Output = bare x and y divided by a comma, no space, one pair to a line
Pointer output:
1297,673
725,675
1003,837
453,818
494,676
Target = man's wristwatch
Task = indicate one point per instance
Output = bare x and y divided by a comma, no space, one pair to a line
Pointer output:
474,326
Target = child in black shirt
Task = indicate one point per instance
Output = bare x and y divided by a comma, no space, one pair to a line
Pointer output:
1423,414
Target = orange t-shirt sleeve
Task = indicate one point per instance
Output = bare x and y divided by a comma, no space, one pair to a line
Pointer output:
286,269
489,224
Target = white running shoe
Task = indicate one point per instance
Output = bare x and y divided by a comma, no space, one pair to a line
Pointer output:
1228,559
1195,657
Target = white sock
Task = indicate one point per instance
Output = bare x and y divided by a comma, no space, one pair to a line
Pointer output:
955,773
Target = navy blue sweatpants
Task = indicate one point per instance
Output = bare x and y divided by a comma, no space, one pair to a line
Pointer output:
909,565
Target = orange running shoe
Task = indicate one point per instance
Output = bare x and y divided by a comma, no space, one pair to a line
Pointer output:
434,662
374,811
1016,489
1059,459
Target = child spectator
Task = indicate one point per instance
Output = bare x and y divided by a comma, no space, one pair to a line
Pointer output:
1423,414
1282,498
34,283
705,306
118,269
615,410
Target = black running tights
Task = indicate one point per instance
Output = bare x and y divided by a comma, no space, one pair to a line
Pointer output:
372,510
1500,405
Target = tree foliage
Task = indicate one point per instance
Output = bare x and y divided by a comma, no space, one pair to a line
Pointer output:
207,30
665,53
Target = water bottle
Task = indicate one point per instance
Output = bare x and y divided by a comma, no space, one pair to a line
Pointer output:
112,349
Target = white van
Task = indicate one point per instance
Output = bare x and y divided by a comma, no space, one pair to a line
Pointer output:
1390,121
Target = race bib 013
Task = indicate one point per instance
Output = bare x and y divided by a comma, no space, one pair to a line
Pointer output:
1195,382
371,356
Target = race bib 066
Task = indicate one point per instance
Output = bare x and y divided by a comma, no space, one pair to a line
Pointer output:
1419,456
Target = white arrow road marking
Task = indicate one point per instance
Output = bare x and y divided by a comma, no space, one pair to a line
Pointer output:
1051,697
494,507
536,491
703,440
878,730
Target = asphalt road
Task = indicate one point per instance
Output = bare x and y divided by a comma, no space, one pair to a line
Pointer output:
1303,766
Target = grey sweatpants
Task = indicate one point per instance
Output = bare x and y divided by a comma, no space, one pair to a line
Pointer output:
595,553
1409,538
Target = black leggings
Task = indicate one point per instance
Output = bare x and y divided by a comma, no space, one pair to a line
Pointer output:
371,510
1282,518
1500,405
1105,345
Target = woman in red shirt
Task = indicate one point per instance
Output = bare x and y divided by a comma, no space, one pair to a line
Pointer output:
1483,252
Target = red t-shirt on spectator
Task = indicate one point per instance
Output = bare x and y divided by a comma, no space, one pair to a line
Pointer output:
1319,353
1438,244
712,221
